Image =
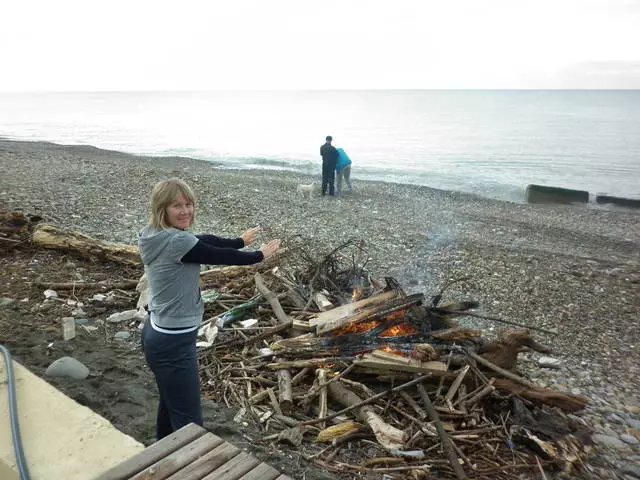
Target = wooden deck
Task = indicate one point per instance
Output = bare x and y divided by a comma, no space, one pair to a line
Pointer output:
192,453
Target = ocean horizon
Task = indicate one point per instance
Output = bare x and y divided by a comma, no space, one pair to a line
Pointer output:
487,142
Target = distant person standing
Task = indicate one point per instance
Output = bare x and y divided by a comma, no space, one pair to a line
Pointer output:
329,159
343,170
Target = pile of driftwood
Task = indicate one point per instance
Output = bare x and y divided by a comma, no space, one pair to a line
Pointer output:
363,378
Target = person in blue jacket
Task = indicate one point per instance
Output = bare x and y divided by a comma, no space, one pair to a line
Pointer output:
343,170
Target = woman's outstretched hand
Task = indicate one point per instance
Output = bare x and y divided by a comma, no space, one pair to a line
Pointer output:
250,236
269,248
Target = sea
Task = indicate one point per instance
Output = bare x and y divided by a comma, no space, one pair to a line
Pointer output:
492,143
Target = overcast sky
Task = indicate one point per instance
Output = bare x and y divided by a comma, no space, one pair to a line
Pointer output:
302,44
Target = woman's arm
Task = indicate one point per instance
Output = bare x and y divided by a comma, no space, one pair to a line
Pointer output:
206,254
214,241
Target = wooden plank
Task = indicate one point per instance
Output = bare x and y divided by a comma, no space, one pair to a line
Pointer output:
154,452
388,361
346,310
234,468
180,458
207,463
261,472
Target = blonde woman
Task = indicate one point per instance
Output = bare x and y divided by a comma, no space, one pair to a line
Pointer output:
172,257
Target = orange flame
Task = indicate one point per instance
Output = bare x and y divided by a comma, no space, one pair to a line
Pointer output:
356,293
398,330
357,327
388,349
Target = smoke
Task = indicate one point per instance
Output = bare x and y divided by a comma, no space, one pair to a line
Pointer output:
428,262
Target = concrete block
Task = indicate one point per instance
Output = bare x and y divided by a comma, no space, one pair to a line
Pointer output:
624,202
544,194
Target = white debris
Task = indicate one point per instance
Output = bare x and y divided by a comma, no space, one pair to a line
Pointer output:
50,294
209,332
250,322
98,297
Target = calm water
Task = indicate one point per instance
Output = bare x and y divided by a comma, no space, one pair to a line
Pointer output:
492,143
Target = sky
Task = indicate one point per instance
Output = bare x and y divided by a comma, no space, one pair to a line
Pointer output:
97,45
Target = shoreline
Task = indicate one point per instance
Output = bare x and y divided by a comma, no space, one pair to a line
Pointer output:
91,149
568,269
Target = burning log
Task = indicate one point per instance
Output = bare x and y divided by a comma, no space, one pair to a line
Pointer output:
374,313
332,319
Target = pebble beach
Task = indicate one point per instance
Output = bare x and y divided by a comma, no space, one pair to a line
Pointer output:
570,270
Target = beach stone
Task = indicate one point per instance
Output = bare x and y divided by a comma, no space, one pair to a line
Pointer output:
632,469
82,321
609,441
67,367
122,316
614,418
5,301
549,362
122,336
629,439
633,423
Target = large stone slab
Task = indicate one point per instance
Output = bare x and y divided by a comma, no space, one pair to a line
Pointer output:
545,194
624,202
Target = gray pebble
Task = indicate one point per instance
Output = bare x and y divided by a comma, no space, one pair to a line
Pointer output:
630,439
609,441
632,469
67,367
122,336
5,301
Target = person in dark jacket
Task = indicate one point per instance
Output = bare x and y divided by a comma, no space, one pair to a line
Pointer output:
172,257
329,159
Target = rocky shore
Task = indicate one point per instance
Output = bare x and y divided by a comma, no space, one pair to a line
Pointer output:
570,270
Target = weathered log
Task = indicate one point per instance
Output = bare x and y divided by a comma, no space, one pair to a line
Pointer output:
504,351
223,275
285,392
456,333
272,298
387,435
48,236
257,338
567,402
322,404
123,285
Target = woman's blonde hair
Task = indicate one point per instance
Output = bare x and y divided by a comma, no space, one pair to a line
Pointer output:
162,195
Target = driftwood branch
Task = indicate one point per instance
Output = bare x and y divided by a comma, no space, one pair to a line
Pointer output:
368,400
447,444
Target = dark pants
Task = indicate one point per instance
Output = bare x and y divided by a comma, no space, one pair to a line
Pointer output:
328,176
173,361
